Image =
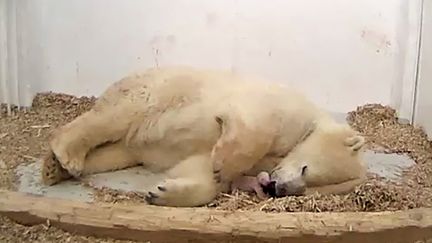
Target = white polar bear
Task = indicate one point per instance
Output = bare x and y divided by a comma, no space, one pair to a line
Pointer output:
195,125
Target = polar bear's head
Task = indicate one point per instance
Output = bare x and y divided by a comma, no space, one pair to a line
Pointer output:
327,155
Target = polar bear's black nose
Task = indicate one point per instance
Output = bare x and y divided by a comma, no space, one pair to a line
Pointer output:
290,188
270,188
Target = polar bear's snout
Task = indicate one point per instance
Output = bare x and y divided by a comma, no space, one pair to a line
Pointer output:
295,187
288,183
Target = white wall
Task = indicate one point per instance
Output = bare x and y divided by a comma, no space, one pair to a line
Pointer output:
423,109
342,53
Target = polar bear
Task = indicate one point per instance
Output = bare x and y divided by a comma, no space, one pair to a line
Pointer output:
203,129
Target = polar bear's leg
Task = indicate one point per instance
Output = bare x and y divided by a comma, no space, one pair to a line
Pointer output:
72,142
108,157
190,183
52,171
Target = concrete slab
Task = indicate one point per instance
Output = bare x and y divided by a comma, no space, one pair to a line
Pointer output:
389,166
133,179
29,181
138,179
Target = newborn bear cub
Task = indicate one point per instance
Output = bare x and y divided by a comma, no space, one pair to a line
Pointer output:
261,185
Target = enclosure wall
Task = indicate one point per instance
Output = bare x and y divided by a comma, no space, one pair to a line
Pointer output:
423,107
341,53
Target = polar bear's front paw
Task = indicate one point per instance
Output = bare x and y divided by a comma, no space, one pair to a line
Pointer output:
168,193
70,157
52,171
75,167
355,143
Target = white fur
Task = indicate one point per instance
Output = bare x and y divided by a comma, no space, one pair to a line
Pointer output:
187,123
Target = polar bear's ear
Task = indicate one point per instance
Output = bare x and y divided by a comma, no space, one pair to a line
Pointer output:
239,146
232,130
355,143
227,129
221,120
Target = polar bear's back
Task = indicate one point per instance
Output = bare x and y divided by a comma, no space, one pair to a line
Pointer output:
209,84
179,97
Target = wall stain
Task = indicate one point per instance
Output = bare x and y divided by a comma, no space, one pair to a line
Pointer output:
379,41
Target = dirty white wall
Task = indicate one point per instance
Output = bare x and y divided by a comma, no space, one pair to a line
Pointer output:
423,108
341,53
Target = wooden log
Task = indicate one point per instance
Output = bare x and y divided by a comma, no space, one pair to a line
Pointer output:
165,224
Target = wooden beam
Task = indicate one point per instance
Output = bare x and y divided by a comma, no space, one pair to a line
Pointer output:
165,224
